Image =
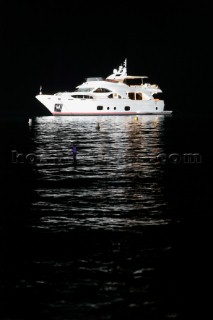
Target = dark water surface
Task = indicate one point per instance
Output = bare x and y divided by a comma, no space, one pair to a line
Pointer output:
120,234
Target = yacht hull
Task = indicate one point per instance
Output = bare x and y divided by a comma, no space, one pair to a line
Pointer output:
59,106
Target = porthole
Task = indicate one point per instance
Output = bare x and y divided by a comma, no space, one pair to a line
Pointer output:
127,108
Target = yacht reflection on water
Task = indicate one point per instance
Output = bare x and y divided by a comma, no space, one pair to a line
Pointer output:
122,141
115,176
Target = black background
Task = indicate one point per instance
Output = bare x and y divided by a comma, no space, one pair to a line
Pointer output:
57,44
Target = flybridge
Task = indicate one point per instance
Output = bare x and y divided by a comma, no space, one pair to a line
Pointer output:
120,74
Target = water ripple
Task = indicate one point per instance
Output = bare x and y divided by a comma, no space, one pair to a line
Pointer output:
115,183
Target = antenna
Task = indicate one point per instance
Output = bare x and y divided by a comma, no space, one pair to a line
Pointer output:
40,90
125,65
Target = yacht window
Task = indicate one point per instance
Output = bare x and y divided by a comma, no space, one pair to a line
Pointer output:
131,95
83,96
99,107
101,90
139,96
158,96
85,89
87,97
115,95
126,108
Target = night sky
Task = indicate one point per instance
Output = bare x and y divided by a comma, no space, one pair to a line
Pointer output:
57,44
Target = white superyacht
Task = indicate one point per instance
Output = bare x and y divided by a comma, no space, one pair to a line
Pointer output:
118,94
